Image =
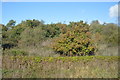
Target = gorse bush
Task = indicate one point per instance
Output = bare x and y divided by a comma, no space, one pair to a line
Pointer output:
75,42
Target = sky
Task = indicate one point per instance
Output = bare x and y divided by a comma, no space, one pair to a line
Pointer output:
53,12
0,7
60,0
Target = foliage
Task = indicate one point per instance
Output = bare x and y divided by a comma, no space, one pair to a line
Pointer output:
62,27
51,30
76,41
75,38
4,28
32,23
31,36
95,27
11,37
110,34
11,23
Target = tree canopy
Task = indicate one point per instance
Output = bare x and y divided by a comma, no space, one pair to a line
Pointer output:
73,39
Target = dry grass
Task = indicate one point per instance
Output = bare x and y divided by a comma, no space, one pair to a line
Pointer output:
60,67
41,49
104,50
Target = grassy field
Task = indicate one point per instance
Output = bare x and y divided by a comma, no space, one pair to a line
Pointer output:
60,67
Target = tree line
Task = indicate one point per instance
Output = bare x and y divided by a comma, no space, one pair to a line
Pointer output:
73,39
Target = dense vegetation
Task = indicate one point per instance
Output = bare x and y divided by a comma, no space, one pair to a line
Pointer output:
33,49
60,67
76,41
73,39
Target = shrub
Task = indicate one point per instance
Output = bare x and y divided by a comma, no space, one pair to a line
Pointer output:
75,42
51,30
31,37
10,38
